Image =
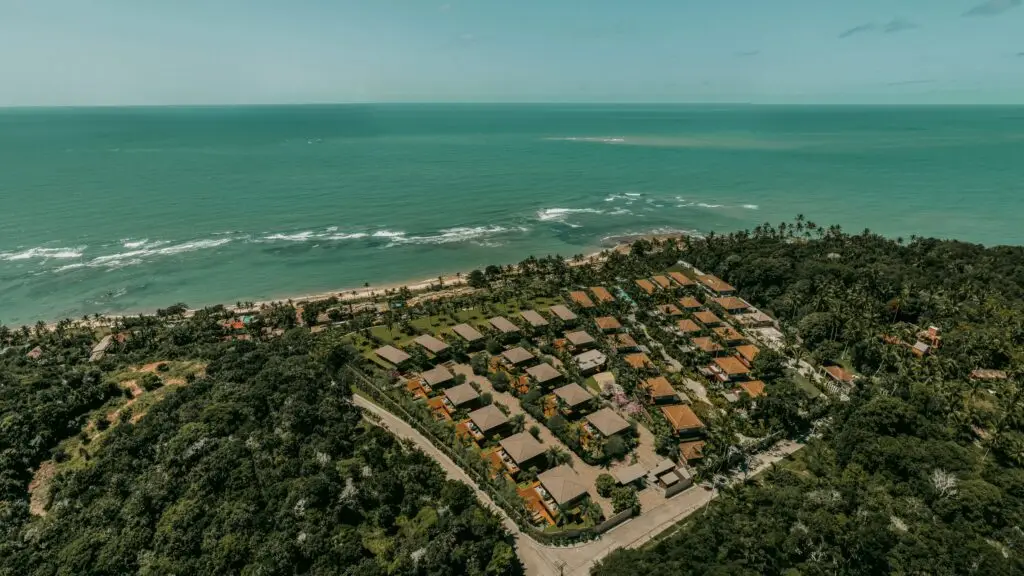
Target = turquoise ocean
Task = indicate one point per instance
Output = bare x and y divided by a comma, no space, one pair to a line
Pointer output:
125,210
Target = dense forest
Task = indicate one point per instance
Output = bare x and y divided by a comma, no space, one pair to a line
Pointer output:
197,447
259,464
922,470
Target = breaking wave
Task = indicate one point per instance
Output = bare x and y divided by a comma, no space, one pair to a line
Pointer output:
560,214
43,254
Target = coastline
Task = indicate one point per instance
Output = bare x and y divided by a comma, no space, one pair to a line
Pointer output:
429,288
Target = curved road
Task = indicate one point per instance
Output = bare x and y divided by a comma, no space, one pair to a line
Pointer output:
543,560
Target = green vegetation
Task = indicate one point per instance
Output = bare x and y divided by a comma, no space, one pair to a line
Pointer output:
920,472
259,465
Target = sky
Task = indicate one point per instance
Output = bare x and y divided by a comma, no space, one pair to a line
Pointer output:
161,52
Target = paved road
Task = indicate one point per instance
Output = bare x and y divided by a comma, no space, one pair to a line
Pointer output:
541,560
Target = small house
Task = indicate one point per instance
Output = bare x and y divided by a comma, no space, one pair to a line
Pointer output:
461,395
543,373
662,281
487,420
437,376
590,360
646,286
580,339
574,396
707,345
638,360
682,419
562,313
468,333
517,356
534,318
606,423
687,326
707,318
715,285
732,304
392,355
431,344
728,334
670,310
602,295
521,449
581,299
747,353
727,368
681,279
504,325
659,390
563,485
607,324
690,304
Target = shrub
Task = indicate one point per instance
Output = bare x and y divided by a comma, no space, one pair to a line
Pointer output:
615,448
150,382
102,423
535,431
500,381
605,484
623,498
162,367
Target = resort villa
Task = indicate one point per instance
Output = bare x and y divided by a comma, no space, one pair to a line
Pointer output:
646,286
581,299
392,355
670,310
590,360
468,333
607,324
437,376
519,450
431,344
574,397
728,334
602,295
562,487
460,395
485,421
534,318
707,345
681,279
580,339
688,326
605,423
561,312
746,353
543,374
707,318
662,281
517,356
504,326
659,390
732,304
682,419
690,303
728,368
715,285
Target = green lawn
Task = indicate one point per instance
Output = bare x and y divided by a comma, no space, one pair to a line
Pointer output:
805,385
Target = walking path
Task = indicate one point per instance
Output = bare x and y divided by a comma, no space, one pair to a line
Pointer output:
542,560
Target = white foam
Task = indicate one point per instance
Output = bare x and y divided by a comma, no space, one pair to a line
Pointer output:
634,194
751,206
129,243
388,234
352,236
70,267
298,237
704,205
450,235
620,212
559,214
138,256
43,253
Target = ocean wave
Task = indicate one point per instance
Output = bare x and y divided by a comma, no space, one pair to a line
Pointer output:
751,206
140,255
387,234
706,205
560,214
299,237
450,235
43,253
620,212
599,139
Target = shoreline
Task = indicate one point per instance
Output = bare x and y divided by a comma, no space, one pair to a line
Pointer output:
425,288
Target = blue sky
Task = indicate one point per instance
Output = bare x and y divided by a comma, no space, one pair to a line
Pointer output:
113,52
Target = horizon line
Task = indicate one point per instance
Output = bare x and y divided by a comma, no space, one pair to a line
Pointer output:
516,103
